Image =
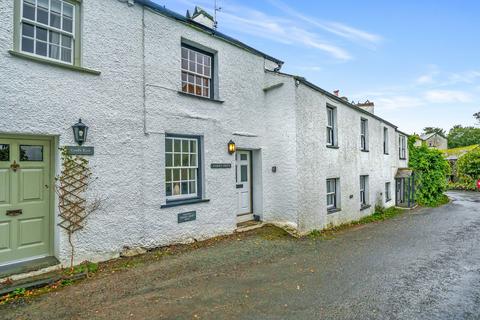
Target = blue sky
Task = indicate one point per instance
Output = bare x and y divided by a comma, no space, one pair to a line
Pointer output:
417,60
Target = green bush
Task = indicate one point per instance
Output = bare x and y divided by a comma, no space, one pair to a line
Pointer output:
468,170
431,170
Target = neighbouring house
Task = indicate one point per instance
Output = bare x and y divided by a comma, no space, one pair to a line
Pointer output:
433,140
452,156
193,132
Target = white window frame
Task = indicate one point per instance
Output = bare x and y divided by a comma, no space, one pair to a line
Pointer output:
402,147
385,140
332,126
333,194
197,76
388,193
49,28
195,166
364,134
364,190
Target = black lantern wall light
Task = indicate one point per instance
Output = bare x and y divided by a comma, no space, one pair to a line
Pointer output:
80,131
231,147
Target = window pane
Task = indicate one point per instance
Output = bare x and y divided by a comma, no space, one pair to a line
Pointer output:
54,37
185,160
184,53
28,30
168,175
243,173
31,153
176,189
169,160
176,174
4,152
169,189
42,3
185,147
184,64
192,175
28,11
193,160
27,45
184,187
67,10
176,145
193,146
184,174
55,20
66,41
177,161
67,24
56,6
42,34
42,15
66,55
193,187
168,145
41,48
54,51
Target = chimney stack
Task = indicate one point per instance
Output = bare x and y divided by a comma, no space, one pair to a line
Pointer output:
368,106
202,17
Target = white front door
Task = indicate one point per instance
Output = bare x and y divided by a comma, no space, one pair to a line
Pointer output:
243,174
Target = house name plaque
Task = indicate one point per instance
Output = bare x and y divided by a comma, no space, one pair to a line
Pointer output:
80,150
187,216
221,165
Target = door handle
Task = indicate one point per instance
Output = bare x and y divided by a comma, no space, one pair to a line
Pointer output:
14,213
15,166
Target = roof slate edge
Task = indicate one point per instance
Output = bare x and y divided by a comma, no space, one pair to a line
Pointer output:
176,16
338,99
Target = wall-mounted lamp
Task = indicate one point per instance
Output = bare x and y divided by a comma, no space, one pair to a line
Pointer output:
231,147
80,131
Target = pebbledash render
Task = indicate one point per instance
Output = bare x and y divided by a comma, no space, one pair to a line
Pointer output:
165,96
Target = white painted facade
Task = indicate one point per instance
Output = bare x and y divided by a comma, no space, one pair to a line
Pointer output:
135,102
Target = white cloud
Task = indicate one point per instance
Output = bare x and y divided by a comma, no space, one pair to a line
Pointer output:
336,28
397,102
447,96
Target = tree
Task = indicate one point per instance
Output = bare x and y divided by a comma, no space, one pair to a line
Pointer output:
477,116
440,131
431,171
468,169
460,136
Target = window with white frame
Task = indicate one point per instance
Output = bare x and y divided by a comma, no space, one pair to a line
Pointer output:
364,134
402,147
181,167
385,140
333,194
197,72
363,190
388,195
331,126
47,29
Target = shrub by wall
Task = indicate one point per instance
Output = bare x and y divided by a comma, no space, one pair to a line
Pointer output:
431,170
468,170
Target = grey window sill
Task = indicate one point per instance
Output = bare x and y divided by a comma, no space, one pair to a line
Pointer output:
365,206
386,153
403,158
199,97
330,211
388,200
53,63
364,150
177,203
332,147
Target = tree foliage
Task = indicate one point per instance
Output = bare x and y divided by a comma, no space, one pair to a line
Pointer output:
431,171
440,131
468,169
460,136
476,115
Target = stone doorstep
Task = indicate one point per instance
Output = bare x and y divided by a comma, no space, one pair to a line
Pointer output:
249,225
28,269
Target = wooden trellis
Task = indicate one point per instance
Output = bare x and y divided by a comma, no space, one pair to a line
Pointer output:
72,184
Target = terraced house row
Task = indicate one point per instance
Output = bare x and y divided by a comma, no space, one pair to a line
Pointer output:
190,132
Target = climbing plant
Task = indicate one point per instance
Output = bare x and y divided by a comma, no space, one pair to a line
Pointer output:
71,188
431,170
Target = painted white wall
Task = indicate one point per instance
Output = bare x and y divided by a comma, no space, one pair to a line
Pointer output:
135,102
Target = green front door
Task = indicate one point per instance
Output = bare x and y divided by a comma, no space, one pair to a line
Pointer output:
25,187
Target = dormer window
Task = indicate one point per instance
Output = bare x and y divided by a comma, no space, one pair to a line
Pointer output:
197,72
48,29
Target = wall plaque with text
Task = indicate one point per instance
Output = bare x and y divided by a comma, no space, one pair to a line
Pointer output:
221,165
187,216
80,150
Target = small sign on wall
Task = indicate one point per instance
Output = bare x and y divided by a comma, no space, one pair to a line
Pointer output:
187,216
80,150
221,165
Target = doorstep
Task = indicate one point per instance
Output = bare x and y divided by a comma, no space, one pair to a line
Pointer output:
26,267
249,225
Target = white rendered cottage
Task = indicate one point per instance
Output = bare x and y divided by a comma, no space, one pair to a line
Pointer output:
163,95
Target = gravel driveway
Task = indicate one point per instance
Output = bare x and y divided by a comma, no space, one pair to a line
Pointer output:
424,264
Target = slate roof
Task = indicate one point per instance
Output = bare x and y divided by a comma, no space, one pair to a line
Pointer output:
176,16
